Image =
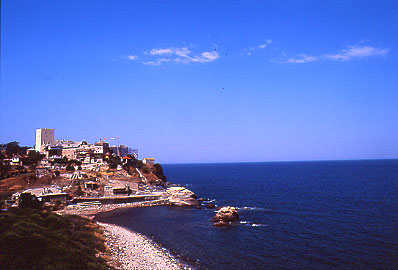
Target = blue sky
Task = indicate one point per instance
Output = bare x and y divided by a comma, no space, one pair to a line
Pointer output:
205,81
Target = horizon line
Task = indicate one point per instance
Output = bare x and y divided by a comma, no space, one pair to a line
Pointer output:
280,161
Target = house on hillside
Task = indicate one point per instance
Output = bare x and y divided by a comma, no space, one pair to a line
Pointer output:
44,163
15,161
148,161
45,194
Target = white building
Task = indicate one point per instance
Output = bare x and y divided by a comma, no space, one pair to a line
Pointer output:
148,161
44,136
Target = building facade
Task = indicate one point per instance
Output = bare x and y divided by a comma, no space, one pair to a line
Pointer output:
44,137
148,161
83,151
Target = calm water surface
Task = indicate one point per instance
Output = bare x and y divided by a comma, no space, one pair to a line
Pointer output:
294,215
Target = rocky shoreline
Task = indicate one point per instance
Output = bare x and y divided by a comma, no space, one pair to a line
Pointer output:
131,250
128,249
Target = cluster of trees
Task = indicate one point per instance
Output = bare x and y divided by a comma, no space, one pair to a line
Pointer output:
8,150
31,238
33,158
29,201
70,163
113,162
66,161
12,149
4,170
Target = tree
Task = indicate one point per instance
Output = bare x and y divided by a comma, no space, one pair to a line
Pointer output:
70,168
13,148
60,161
75,162
113,162
29,201
33,158
4,169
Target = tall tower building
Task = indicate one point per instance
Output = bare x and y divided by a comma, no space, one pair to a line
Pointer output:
44,136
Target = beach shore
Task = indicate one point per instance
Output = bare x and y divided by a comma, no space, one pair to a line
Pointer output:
130,250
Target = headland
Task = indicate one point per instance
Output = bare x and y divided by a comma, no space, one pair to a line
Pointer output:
76,178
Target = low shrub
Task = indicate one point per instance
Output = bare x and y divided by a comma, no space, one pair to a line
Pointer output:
36,239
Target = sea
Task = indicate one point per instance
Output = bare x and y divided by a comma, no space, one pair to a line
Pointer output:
293,215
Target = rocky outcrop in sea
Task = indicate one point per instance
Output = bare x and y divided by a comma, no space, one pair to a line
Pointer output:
180,196
225,216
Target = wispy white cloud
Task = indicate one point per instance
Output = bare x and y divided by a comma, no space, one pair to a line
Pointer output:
250,50
161,51
350,53
132,57
157,62
356,52
183,52
178,55
206,57
302,58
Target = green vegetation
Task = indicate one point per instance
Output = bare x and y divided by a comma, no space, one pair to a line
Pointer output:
33,158
136,163
113,162
4,170
70,168
37,239
13,148
60,161
29,201
74,162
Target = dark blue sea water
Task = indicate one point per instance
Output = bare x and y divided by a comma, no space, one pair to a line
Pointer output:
294,215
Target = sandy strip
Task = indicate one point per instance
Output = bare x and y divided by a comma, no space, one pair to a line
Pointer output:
132,250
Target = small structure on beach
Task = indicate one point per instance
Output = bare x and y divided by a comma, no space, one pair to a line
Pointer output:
45,194
91,185
122,190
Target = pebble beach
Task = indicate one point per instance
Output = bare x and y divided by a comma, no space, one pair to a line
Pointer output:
130,250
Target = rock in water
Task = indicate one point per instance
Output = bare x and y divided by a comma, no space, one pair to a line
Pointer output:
227,214
180,196
220,224
210,205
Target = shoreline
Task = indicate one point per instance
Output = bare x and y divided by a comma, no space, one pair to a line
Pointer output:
130,249
92,210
